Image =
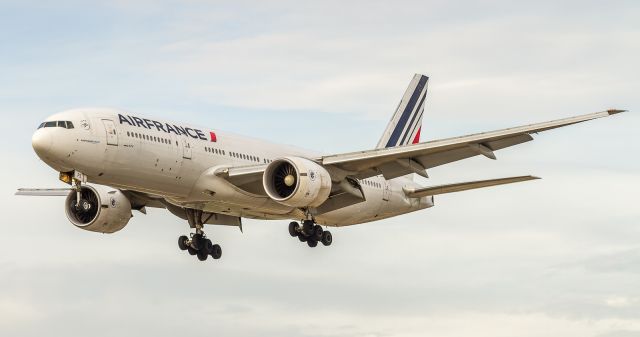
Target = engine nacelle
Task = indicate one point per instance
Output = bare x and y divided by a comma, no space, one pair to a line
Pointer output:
102,209
297,182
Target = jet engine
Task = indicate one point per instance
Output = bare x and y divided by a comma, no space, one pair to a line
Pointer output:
297,182
101,209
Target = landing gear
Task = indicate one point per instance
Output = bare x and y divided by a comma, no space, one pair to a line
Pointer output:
198,244
310,233
82,206
327,238
294,228
183,242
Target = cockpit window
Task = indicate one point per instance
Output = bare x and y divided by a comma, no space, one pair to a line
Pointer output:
53,124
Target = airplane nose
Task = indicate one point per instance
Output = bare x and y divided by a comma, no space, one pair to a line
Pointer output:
41,142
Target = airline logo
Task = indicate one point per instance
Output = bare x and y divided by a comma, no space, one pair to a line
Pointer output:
409,122
166,127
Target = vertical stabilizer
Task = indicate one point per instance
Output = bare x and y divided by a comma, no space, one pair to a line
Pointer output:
406,124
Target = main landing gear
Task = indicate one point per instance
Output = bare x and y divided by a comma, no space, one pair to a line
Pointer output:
310,233
197,243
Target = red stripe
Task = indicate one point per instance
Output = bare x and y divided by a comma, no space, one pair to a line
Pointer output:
417,139
213,137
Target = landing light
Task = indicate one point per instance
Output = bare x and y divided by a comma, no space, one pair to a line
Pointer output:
66,177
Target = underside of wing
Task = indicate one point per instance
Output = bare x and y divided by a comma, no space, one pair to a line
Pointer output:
459,187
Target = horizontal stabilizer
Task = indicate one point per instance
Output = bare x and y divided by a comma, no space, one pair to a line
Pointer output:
443,189
44,192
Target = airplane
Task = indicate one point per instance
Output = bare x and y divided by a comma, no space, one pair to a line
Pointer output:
116,161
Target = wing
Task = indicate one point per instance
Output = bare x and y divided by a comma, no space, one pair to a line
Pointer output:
459,187
44,192
138,200
398,161
417,158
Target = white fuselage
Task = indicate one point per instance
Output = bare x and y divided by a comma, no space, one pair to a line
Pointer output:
176,162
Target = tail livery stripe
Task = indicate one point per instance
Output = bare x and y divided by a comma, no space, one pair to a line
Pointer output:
416,140
402,123
415,127
411,126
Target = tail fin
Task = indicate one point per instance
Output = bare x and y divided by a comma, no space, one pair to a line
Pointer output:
406,123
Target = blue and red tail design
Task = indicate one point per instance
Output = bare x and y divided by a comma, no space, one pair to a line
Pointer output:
406,123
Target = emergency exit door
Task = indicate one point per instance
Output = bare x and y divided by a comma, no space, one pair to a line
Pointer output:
110,129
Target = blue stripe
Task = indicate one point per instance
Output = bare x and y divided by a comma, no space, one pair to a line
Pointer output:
406,113
410,132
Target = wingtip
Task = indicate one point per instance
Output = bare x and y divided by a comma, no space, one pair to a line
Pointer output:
615,111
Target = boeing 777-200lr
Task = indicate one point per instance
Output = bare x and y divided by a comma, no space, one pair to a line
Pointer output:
116,161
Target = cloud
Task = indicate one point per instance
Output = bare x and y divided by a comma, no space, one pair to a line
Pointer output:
557,256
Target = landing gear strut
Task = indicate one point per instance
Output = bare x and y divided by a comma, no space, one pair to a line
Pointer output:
310,233
197,243
82,205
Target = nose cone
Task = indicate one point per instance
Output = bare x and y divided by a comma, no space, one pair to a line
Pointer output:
41,142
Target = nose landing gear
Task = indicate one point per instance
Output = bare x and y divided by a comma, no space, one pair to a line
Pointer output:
197,243
310,233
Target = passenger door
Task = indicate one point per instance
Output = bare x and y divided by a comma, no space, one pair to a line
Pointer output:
186,148
386,192
112,134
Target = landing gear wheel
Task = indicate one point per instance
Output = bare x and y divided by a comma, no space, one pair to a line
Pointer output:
208,246
294,229
317,232
182,242
302,238
202,255
312,243
307,227
216,252
327,238
192,251
196,241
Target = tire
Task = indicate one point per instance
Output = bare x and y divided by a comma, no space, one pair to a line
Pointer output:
208,246
302,238
196,241
307,227
182,242
216,252
202,255
294,228
317,232
327,238
312,243
192,251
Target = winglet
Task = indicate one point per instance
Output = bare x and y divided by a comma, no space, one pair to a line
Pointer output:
615,111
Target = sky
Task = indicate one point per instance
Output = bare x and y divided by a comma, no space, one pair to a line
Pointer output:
553,257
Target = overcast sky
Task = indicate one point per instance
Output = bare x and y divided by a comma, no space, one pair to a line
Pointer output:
554,257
